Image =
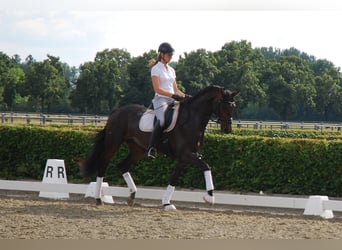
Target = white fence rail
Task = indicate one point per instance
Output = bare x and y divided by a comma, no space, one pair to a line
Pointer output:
278,125
185,196
43,119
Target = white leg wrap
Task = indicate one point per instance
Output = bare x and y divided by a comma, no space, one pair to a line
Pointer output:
130,183
208,180
168,194
98,187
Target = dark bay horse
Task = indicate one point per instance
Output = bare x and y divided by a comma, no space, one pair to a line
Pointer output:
181,143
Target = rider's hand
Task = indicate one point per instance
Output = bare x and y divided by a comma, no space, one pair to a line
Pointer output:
177,97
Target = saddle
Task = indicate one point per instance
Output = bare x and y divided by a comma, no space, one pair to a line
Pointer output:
147,120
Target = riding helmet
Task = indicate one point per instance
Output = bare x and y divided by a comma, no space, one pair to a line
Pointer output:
165,48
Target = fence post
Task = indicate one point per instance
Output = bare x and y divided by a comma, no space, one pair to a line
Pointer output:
238,125
70,120
256,125
28,120
43,119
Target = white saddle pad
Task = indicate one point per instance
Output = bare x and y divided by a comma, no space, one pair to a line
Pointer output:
146,120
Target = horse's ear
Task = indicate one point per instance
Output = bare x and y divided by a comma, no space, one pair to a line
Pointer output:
235,93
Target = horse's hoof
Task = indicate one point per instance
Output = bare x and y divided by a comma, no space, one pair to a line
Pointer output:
130,202
209,199
169,207
99,202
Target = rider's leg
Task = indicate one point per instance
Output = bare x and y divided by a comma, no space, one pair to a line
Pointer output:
160,105
156,133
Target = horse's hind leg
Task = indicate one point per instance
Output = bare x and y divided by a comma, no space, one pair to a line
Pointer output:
171,187
102,162
98,190
132,188
135,154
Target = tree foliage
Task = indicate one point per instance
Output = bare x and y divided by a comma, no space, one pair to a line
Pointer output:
196,70
100,85
139,88
274,84
46,83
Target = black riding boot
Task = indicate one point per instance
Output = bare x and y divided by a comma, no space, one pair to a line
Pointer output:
156,133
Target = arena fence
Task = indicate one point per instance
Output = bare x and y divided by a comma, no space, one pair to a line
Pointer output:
46,119
312,205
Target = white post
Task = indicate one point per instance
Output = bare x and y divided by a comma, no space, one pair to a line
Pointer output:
314,206
130,183
95,190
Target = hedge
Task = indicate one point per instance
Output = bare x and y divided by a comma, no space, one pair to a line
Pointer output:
239,163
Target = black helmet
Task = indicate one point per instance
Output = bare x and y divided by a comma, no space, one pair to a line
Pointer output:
165,48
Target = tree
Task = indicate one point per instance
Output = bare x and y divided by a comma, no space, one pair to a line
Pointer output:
11,77
269,53
12,81
196,70
100,84
46,83
240,68
83,95
290,86
328,87
139,89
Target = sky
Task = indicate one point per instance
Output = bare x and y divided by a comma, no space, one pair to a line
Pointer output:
75,30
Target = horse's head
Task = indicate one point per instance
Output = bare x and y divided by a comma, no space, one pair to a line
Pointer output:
224,110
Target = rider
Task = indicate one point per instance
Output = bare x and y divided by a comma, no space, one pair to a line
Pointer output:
165,88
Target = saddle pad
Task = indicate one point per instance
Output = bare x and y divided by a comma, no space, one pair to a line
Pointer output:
147,119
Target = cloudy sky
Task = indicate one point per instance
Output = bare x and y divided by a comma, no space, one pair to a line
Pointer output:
75,30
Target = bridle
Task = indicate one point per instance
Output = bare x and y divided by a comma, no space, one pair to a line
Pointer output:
217,112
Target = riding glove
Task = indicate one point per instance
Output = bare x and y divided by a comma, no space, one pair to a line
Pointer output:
177,97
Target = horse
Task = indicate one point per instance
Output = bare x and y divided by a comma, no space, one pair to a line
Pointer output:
182,143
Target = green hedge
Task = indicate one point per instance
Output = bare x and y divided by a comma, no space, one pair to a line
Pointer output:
239,163
25,149
288,166
293,133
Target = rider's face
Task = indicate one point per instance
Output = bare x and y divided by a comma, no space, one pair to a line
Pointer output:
167,57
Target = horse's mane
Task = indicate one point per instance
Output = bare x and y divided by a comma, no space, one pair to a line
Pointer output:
205,91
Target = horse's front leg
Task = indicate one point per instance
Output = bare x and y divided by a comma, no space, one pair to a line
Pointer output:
195,159
209,196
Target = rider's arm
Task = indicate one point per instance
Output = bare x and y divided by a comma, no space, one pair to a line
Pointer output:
157,89
177,90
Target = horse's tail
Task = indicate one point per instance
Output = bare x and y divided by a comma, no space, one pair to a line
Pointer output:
90,166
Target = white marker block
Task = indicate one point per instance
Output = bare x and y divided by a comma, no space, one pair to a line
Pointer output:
54,173
314,206
91,192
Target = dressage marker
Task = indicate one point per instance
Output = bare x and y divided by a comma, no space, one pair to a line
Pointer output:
313,205
54,173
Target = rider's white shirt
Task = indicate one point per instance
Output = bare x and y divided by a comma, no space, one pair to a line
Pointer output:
166,76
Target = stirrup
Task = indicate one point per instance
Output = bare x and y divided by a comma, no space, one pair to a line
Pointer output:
152,153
